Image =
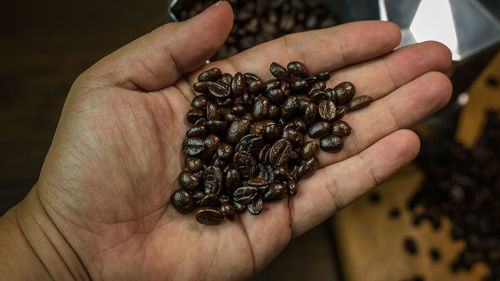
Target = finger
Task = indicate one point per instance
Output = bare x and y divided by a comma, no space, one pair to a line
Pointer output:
159,58
321,50
337,185
381,76
401,109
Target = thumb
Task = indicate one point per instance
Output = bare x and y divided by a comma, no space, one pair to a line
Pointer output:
157,59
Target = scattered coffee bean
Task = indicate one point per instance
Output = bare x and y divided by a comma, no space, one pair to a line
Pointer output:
279,71
331,143
344,92
209,215
182,201
256,206
359,102
341,128
210,75
327,110
298,69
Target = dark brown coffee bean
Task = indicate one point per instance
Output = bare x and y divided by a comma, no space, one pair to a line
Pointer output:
238,85
298,69
246,99
359,102
224,151
212,180
310,113
188,181
199,102
331,143
238,109
228,211
309,149
193,164
311,80
245,194
275,191
276,96
237,130
341,128
213,112
298,124
319,129
193,146
217,125
271,84
299,86
226,78
201,87
257,182
245,164
250,77
278,71
280,152
182,201
317,96
327,110
209,216
262,172
260,126
252,143
229,117
219,90
281,174
272,132
211,143
255,86
224,102
232,180
320,85
330,93
210,75
340,112
240,208
194,114
344,92
264,153
290,106
293,136
260,108
323,76
208,200
196,132
308,167
291,187
256,206
202,122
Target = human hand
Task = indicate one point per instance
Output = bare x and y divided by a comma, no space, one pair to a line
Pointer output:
113,164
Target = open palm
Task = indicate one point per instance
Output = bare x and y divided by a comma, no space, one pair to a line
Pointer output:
115,158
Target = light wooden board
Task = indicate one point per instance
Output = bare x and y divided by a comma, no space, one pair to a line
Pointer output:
370,243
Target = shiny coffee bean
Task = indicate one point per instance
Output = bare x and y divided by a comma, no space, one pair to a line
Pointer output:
246,98
197,196
276,96
224,151
226,78
193,146
299,87
212,180
323,76
340,112
280,152
317,96
262,172
330,93
208,200
250,77
320,85
229,117
182,201
293,136
210,75
245,194
196,132
309,149
237,130
289,107
274,112
327,110
298,124
228,211
238,109
319,129
271,84
308,167
298,69
193,164
240,208
344,92
359,102
224,102
252,143
255,86
199,102
275,191
310,113
209,216
201,87
232,180
281,174
194,114
272,132
291,187
259,183
238,85
311,80
211,143
217,125
188,181
212,111
245,164
278,71
259,126
264,153
340,128
260,108
219,90
202,122
331,143
256,206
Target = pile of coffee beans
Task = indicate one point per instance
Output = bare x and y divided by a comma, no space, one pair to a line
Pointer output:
464,185
252,140
263,20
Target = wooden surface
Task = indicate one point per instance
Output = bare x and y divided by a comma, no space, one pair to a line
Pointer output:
370,243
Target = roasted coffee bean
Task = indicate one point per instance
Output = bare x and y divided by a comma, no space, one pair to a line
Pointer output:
311,80
232,180
298,69
252,143
259,126
260,108
319,129
331,143
255,86
209,216
202,122
320,85
212,180
210,75
211,143
259,183
264,153
193,146
262,171
228,211
237,130
201,87
291,187
229,117
246,99
245,194
317,96
193,164
309,149
280,152
224,151
194,114
275,191
340,112
308,167
327,110
196,132
340,128
223,198
276,96
224,102
208,200
281,174
323,76
330,93
226,78
238,85
217,125
240,208
298,124
278,71
289,107
256,206
293,136
213,112
188,181
344,92
310,112
274,112
271,84
219,90
272,132
199,102
182,201
250,77
238,109
197,196
245,164
299,86
359,102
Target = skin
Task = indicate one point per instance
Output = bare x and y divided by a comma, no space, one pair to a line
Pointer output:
101,208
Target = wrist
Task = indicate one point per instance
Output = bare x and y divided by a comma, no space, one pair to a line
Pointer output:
32,248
